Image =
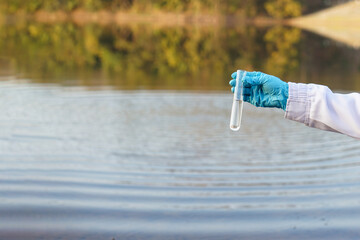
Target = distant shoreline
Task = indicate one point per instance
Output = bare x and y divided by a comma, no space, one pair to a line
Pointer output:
342,15
159,18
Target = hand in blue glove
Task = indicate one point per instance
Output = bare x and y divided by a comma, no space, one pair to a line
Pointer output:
262,90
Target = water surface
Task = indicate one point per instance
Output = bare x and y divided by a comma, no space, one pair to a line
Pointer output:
101,164
123,133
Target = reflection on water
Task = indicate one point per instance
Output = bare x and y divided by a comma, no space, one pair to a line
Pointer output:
163,164
103,164
142,56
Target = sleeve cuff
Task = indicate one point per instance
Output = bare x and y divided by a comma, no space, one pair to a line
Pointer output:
298,103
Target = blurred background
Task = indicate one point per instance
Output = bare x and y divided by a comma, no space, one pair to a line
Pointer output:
169,44
114,120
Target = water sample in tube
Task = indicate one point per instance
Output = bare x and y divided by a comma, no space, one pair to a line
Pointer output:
237,106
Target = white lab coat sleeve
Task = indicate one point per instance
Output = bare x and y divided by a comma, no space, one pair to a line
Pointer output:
317,106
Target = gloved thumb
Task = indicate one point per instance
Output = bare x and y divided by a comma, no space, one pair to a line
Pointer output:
251,79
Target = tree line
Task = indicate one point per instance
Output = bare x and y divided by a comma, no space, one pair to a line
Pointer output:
176,58
143,55
248,8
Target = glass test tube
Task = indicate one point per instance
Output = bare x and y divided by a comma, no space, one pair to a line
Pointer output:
237,106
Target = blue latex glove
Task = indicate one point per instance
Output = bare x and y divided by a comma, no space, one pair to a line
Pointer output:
263,90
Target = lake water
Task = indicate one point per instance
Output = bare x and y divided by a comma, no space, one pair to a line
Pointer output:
116,147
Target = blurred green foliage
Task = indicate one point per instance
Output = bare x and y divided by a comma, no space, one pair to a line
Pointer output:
142,55
283,8
250,8
282,47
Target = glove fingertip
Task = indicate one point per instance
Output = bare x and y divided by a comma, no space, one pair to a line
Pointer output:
232,89
234,75
232,82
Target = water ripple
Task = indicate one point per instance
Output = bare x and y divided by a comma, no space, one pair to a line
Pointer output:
75,163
